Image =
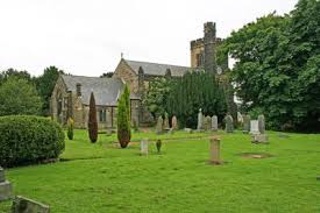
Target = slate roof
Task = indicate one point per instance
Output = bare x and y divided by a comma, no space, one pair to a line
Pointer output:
157,69
106,90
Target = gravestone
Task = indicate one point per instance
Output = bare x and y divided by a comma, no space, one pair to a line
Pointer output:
5,187
188,130
25,205
215,150
246,124
229,124
200,120
259,138
214,123
144,147
159,127
207,123
262,126
174,123
166,125
254,127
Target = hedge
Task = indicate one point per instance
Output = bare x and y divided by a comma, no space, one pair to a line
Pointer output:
29,139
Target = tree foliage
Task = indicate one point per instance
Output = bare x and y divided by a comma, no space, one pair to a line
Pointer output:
92,122
277,72
157,96
193,91
45,85
18,96
123,118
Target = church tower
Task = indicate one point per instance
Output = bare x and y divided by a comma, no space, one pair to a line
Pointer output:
203,50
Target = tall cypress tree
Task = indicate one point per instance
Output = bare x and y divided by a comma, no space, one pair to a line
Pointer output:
123,119
92,122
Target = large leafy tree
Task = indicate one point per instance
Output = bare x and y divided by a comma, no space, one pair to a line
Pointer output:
157,96
19,96
4,75
45,85
193,91
277,72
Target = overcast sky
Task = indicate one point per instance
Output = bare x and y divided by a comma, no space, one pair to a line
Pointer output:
87,37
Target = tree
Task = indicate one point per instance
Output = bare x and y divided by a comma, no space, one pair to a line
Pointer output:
193,91
45,85
18,96
277,72
157,96
4,75
92,122
123,118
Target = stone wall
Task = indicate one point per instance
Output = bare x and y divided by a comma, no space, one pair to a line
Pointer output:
123,71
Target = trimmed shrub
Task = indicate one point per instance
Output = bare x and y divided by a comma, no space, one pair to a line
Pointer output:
70,129
29,139
92,120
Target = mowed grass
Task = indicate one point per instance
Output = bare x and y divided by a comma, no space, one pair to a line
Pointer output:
102,177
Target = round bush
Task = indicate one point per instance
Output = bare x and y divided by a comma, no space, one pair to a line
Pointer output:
29,139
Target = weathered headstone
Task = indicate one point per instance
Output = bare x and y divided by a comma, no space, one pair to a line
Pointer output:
207,122
254,127
262,126
215,150
144,147
246,124
166,125
25,205
214,123
5,187
159,127
259,138
174,123
229,124
188,130
200,120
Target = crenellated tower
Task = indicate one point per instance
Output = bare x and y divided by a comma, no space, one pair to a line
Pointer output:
203,50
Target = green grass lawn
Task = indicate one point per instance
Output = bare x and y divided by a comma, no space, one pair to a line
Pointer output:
102,177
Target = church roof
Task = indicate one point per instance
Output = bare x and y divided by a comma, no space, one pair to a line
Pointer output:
156,69
106,90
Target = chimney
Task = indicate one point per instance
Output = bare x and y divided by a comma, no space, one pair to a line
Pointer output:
78,89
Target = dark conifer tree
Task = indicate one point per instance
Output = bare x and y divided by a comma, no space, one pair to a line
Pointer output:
92,122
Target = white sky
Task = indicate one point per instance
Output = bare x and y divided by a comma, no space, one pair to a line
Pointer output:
86,37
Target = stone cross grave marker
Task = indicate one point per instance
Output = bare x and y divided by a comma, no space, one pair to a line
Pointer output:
144,147
159,127
246,124
5,187
25,205
215,150
254,127
229,124
214,123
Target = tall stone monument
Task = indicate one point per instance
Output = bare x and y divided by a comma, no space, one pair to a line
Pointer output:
200,120
261,122
144,147
166,125
208,123
5,187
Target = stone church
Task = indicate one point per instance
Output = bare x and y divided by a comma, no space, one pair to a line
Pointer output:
71,94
